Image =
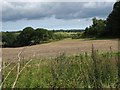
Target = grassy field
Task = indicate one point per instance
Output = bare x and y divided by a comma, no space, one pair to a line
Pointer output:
98,70
96,67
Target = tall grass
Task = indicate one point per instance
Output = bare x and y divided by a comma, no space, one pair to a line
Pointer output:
95,70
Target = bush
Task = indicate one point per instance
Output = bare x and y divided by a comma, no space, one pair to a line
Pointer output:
77,36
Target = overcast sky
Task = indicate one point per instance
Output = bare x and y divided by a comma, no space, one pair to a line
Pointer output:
52,15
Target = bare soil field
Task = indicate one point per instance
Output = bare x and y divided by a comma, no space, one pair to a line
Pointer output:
54,48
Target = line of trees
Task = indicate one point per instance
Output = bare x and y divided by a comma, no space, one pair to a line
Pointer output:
30,36
26,37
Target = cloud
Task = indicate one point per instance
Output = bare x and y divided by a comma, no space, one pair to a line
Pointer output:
13,11
61,0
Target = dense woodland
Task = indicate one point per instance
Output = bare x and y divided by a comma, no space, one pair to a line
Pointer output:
106,28
109,28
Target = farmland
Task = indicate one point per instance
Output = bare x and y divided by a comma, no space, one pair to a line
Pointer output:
74,64
44,57
52,49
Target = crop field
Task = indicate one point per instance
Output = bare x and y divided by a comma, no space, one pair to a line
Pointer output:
63,64
52,49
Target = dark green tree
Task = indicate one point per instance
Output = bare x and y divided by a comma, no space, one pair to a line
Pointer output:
113,21
97,29
40,35
9,39
25,37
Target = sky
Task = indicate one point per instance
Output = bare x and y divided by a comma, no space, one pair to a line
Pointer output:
52,15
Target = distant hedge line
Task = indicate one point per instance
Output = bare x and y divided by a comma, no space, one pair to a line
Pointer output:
26,37
30,36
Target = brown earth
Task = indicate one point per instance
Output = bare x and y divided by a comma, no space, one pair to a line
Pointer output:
54,48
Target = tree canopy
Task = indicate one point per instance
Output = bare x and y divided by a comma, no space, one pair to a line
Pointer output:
97,29
113,21
26,37
106,28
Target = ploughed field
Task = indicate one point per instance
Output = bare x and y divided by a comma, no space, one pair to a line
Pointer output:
52,49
